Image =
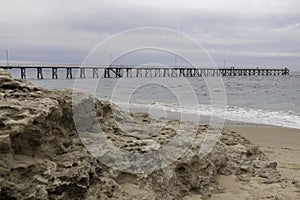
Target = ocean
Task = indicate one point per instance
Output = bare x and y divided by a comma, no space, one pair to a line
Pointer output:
268,100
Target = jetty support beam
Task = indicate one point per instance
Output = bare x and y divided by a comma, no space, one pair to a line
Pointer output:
82,73
23,73
39,73
69,73
95,73
54,73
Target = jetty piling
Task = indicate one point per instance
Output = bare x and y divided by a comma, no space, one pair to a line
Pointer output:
134,71
54,73
69,73
23,73
39,73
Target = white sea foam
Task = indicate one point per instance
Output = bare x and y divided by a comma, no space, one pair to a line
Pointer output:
287,119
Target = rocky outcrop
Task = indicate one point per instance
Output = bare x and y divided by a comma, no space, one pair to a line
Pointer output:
43,157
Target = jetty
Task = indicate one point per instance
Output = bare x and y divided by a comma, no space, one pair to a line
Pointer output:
135,71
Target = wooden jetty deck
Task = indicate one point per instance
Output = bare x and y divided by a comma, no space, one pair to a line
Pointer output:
118,71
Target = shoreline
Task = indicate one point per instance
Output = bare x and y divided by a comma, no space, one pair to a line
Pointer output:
200,119
45,155
279,144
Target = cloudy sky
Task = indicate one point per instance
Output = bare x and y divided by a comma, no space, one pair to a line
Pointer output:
244,33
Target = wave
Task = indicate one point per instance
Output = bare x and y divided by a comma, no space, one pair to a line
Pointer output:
288,119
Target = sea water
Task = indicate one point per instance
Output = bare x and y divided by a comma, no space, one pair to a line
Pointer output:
270,100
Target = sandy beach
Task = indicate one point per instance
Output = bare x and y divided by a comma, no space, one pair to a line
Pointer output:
52,149
281,145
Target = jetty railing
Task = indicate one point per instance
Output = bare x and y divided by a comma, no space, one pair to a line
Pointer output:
130,71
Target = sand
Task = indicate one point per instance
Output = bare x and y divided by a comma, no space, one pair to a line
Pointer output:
43,157
279,144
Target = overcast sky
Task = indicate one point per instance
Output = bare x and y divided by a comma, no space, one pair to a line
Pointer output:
244,33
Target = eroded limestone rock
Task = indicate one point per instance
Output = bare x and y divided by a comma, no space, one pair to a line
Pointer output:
42,156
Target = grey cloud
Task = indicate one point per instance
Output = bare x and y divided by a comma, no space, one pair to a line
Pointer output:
240,31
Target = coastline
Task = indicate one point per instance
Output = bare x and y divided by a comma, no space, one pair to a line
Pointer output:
279,144
45,157
199,119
